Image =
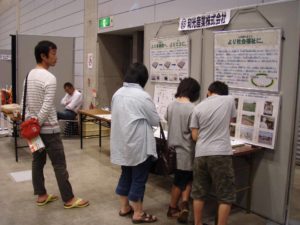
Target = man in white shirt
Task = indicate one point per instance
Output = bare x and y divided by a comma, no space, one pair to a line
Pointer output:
72,103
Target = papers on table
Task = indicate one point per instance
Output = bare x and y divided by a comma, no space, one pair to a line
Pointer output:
4,132
104,116
236,143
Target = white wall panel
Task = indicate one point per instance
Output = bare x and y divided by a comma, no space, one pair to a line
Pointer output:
60,24
74,31
68,8
78,82
163,1
27,8
78,54
23,3
37,13
7,27
111,8
78,69
122,10
103,1
79,43
5,43
55,15
8,16
63,18
178,8
121,21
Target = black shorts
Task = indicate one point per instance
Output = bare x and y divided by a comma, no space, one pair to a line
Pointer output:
182,178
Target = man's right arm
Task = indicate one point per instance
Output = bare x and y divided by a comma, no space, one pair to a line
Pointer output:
194,126
64,100
195,134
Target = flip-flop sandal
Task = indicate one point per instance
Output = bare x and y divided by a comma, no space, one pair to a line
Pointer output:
129,213
76,204
50,198
146,218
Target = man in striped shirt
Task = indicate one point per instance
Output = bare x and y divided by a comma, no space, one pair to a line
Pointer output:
41,88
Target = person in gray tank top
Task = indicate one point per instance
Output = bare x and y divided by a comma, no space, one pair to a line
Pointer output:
178,116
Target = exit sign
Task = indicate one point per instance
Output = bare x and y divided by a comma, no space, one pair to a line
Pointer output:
105,22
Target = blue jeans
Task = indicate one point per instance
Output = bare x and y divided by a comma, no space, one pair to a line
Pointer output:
66,115
132,182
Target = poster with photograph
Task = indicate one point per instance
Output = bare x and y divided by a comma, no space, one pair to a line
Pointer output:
163,96
169,59
257,118
248,59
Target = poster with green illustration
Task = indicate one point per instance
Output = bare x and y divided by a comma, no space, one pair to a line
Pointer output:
248,59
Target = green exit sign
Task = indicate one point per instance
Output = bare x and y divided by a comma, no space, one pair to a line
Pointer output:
105,22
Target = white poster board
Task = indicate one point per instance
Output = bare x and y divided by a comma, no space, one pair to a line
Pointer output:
257,118
163,96
248,59
169,59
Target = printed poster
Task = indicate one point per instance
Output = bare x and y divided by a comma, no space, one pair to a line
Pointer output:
163,96
257,118
169,59
248,59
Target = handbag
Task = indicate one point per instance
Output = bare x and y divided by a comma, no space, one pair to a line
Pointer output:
29,128
166,156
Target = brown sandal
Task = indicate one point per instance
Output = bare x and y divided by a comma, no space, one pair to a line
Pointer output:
129,213
173,212
145,218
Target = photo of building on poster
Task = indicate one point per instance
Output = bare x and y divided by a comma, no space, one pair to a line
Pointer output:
257,118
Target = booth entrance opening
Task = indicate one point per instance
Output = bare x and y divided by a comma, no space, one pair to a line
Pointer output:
116,52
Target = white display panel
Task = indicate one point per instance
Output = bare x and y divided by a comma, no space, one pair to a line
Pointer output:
248,59
163,96
257,118
169,59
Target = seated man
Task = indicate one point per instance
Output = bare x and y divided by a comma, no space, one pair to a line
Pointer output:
72,102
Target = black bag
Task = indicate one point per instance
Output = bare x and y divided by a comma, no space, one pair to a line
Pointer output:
166,162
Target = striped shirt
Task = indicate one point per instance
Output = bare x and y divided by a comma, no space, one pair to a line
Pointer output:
41,88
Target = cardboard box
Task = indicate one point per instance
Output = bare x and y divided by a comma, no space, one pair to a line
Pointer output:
90,128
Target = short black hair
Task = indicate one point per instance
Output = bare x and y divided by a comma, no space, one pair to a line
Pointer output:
189,88
68,84
218,87
43,47
137,73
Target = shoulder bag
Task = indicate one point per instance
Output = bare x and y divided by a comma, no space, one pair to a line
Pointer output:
166,162
29,128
